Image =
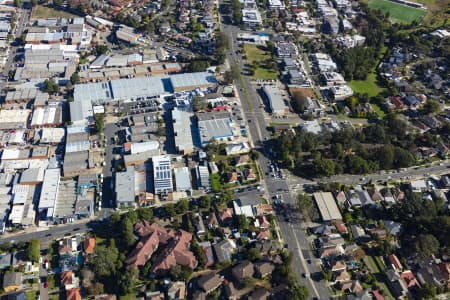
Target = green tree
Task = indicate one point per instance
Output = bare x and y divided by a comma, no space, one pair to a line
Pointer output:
235,71
170,210
298,102
324,167
199,103
241,222
18,3
205,201
253,254
199,65
298,292
198,252
144,213
127,232
50,86
182,206
327,275
228,77
100,49
106,260
431,106
127,280
385,156
426,245
34,2
34,250
99,122
427,291
75,78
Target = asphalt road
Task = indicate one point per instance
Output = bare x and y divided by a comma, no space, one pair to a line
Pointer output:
108,195
46,236
292,234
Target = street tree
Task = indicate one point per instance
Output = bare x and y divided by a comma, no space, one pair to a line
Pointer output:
34,250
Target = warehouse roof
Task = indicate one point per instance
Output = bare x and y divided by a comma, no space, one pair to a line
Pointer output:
277,104
192,79
32,175
327,206
182,179
182,129
50,189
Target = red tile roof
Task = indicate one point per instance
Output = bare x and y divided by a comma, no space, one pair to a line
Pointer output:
176,252
409,278
393,259
73,294
89,245
66,278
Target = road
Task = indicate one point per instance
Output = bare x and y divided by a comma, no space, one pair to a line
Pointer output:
108,196
293,234
46,236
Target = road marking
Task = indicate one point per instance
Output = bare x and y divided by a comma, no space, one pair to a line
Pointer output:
302,260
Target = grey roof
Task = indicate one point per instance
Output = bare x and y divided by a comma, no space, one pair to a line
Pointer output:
276,101
125,186
182,179
12,278
32,175
192,79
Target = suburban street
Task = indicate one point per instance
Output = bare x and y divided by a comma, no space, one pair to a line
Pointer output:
293,234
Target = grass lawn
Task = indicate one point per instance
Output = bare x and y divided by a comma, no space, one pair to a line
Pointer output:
398,12
378,110
44,12
255,54
131,296
265,74
368,86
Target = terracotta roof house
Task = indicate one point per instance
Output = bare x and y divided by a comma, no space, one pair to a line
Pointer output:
73,294
263,223
209,282
376,195
341,197
227,215
396,285
266,247
232,177
344,276
338,266
262,269
410,280
445,270
212,221
151,235
241,160
263,235
249,174
353,286
259,293
395,262
376,294
89,245
66,278
207,250
175,252
341,228
243,271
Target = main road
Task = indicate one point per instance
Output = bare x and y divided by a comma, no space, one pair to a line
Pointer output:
293,234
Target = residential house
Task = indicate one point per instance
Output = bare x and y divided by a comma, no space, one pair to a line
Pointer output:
266,247
207,250
353,286
224,250
73,294
249,174
226,216
260,293
409,279
359,234
241,160
209,282
232,177
212,221
396,285
263,269
12,281
89,245
431,274
177,290
395,263
342,277
230,291
243,271
199,225
338,266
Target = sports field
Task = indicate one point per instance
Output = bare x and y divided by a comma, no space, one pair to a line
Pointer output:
397,12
